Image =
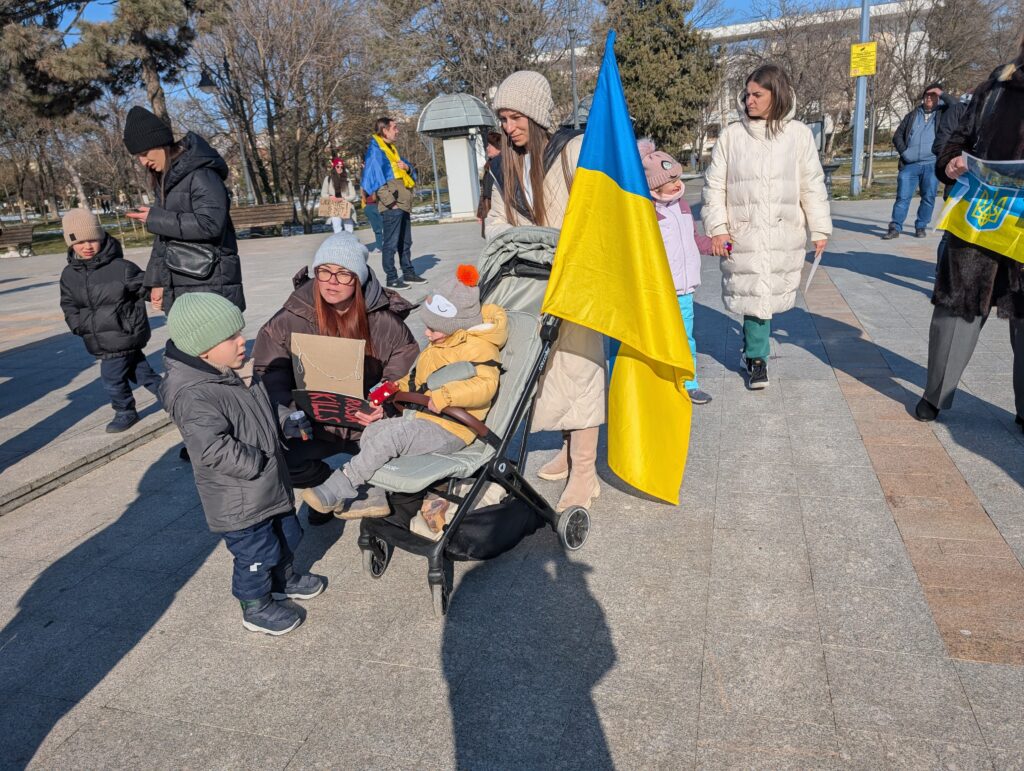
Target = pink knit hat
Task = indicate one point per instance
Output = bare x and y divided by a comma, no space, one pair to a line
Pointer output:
659,166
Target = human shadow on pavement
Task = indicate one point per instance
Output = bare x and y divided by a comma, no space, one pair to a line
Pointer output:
34,378
965,420
425,262
90,608
525,643
890,268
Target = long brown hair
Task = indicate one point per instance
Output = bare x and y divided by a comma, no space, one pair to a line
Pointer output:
351,323
158,181
776,80
513,161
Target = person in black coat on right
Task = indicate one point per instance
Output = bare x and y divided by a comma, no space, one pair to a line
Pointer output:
969,279
192,205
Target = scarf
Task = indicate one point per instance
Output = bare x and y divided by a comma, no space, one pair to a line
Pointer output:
392,155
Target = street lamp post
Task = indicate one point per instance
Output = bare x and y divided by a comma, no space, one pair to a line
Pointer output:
209,86
857,162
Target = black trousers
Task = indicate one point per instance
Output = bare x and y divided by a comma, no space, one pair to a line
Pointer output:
120,372
262,553
305,460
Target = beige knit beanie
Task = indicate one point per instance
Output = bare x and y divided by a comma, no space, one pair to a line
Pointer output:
529,93
81,225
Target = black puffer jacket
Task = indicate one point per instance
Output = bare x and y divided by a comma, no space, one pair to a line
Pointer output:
103,301
193,205
232,433
970,280
394,348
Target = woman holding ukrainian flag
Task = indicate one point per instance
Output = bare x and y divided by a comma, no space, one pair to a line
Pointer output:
532,177
980,259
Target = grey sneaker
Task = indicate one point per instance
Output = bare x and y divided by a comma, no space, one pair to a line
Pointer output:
699,397
292,586
122,421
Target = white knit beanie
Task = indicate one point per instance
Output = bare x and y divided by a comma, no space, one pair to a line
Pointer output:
529,93
345,251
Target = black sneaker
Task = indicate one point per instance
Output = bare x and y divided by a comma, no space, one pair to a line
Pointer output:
891,234
296,587
265,615
757,374
414,279
397,284
122,421
925,411
920,233
1020,422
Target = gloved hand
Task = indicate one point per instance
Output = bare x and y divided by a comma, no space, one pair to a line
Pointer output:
297,426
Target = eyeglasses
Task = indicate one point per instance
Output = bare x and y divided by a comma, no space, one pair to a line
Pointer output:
341,277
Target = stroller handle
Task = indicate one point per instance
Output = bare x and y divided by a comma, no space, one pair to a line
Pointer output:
458,414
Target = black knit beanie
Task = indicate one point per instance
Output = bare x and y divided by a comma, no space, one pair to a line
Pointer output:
143,131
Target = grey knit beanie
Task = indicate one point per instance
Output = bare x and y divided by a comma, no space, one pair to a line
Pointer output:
345,251
455,304
529,93
199,321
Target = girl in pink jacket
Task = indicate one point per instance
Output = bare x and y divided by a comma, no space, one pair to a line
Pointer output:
683,244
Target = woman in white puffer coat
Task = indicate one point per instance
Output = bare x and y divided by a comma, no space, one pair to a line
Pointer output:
763,192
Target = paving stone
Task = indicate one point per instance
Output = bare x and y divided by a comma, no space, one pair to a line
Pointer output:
871,750
896,620
772,678
743,741
35,726
902,694
839,481
759,555
846,518
743,511
839,562
784,610
996,694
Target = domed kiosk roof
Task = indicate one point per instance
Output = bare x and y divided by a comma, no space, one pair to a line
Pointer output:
452,115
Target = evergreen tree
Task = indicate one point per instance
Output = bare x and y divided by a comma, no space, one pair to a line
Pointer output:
669,72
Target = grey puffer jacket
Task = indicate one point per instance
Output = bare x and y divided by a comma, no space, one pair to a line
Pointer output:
192,204
232,433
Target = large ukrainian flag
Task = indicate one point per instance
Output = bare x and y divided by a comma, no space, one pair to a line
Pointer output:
611,274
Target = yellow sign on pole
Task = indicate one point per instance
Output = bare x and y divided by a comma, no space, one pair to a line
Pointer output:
863,59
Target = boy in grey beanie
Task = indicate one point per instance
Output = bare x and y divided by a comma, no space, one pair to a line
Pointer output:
232,434
459,368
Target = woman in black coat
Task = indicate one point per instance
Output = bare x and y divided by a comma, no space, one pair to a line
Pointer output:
192,205
969,279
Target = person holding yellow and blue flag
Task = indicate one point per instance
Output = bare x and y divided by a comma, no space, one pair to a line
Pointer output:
532,178
981,257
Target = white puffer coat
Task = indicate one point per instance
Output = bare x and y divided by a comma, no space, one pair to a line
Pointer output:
766,193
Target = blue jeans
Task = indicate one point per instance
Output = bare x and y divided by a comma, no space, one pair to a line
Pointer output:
915,176
686,308
397,238
262,552
373,217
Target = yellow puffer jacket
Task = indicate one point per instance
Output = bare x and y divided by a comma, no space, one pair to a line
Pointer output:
478,344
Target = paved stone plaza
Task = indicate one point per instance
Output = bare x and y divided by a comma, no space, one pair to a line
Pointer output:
841,586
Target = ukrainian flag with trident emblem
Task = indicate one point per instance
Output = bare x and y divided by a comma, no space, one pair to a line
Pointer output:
611,274
986,207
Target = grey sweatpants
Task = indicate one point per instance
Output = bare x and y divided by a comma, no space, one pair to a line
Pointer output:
396,437
951,342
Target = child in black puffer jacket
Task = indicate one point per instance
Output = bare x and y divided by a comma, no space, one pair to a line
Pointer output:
103,301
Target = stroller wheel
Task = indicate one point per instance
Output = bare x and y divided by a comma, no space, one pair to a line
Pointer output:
377,557
439,594
574,527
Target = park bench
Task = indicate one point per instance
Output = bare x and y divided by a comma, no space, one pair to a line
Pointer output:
16,238
268,215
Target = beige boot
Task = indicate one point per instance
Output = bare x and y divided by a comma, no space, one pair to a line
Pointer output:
583,484
558,467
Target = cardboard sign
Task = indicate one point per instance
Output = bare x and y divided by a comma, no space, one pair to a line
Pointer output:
332,364
327,408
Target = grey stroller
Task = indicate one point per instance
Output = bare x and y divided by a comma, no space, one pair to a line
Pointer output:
514,271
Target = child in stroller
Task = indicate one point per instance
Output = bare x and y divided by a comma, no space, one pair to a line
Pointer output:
459,368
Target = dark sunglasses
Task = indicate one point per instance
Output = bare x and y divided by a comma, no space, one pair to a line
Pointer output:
342,277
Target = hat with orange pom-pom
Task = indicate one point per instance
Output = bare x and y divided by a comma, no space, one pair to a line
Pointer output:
455,304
